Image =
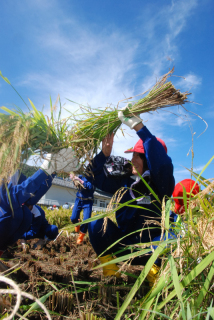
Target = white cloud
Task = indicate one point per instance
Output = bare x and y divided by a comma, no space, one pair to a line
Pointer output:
99,68
163,47
189,82
178,13
92,68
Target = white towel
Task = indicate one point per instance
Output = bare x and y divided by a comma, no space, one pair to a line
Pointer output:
35,211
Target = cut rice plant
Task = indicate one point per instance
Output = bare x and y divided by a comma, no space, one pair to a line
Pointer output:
33,133
94,124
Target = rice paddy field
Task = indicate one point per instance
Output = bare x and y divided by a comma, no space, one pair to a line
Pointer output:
62,274
63,280
68,278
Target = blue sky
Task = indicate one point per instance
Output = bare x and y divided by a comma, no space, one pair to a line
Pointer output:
99,52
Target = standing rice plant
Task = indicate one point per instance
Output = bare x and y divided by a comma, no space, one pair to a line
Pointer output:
61,217
184,289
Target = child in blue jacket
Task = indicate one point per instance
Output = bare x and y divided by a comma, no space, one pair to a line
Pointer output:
84,201
40,228
16,217
20,192
151,161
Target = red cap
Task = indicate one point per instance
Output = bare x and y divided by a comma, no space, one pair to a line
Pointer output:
54,206
140,149
178,192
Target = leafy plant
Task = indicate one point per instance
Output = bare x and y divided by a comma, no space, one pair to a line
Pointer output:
183,289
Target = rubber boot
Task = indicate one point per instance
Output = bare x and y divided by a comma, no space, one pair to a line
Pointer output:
77,229
152,275
80,238
111,269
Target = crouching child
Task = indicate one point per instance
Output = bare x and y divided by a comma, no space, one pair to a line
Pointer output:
40,228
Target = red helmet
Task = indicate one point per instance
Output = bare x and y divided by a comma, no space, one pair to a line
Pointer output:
140,149
54,206
178,192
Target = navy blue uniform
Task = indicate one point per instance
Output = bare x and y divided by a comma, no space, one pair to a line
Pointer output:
40,227
15,217
84,201
159,177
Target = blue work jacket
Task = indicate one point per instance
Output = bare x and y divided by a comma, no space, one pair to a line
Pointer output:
87,191
159,177
38,224
15,217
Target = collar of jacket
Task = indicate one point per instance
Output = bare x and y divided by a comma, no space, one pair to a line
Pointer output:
146,174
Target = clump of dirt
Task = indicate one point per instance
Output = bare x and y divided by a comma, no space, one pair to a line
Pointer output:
67,269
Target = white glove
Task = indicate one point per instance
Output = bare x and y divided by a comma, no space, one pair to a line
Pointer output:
23,244
73,177
41,243
78,179
65,160
131,122
35,211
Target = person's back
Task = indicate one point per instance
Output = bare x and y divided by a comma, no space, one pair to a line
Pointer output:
20,192
65,206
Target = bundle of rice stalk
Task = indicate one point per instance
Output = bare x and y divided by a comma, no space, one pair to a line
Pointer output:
93,125
24,134
32,133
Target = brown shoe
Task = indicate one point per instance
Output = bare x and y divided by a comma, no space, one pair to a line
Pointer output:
80,238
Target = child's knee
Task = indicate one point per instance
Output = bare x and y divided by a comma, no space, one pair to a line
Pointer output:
52,232
95,227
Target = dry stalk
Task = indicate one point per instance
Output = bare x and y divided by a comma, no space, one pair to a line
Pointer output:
19,294
113,204
163,216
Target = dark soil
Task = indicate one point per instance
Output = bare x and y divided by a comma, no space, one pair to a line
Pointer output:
51,267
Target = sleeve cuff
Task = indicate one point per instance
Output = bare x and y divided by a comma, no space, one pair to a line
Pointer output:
144,134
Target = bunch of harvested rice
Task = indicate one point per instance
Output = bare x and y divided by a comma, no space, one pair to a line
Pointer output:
93,125
22,135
